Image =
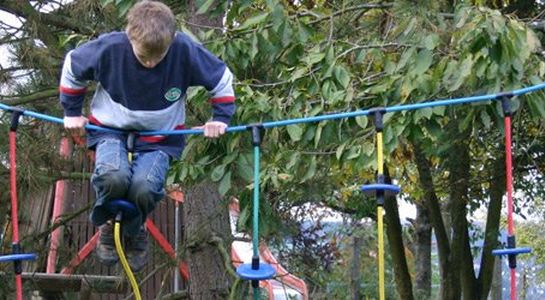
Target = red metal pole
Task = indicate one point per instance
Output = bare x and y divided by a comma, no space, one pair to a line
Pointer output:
83,253
14,210
509,183
58,206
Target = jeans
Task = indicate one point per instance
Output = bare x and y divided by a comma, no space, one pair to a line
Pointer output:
140,181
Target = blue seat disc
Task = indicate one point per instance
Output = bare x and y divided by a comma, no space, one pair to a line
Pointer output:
128,208
372,189
246,272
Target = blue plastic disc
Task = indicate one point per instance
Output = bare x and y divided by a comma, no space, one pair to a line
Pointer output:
128,208
14,257
372,189
510,251
246,272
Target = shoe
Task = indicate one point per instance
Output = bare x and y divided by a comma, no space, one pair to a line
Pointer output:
105,249
137,250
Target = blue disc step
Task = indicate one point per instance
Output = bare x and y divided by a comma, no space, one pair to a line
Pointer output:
128,208
511,251
16,257
388,189
265,271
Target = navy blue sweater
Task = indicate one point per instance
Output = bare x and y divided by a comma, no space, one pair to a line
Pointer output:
132,97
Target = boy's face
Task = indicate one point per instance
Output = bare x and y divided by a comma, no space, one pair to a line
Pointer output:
147,60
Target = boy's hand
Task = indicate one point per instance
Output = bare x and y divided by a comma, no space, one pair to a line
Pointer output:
213,129
75,125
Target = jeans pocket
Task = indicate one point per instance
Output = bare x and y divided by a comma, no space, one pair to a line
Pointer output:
157,172
108,156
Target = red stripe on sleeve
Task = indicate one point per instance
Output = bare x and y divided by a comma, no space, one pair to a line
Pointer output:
226,99
72,92
94,120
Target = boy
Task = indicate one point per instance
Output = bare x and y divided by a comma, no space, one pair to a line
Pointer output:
142,75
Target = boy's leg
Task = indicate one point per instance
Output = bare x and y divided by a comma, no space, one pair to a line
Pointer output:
149,170
111,180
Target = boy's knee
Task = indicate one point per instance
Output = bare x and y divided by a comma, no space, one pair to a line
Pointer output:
143,190
145,195
115,181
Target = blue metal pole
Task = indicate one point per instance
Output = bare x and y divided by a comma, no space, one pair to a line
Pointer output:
255,237
255,233
406,107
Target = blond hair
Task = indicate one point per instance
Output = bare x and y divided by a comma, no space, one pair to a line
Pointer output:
151,25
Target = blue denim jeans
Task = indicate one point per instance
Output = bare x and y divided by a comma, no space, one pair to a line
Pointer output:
140,181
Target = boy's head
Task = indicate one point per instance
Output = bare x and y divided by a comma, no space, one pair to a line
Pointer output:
151,26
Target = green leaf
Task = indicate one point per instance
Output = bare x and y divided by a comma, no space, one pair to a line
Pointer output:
295,132
330,55
106,2
253,21
405,57
431,41
311,170
362,121
124,7
342,76
299,73
353,152
244,216
536,104
439,110
204,8
217,173
294,159
340,151
225,184
245,167
485,118
461,74
318,134
361,56
423,62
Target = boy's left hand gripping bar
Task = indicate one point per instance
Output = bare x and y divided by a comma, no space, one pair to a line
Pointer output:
17,113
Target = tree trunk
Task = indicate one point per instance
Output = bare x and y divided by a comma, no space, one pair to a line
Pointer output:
458,166
422,253
448,281
207,238
496,289
497,189
207,230
397,249
355,266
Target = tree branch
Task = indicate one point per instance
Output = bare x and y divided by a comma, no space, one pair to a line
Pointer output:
353,8
25,10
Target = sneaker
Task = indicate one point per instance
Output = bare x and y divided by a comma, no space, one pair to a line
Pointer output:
137,250
105,249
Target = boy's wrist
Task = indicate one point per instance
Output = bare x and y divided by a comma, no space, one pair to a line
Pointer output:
72,113
222,119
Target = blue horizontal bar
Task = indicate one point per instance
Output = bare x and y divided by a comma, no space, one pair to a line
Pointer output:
511,251
15,257
396,108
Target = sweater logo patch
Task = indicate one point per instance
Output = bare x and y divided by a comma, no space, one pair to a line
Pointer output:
173,94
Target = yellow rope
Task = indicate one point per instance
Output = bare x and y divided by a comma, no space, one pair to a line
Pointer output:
124,262
380,168
380,157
